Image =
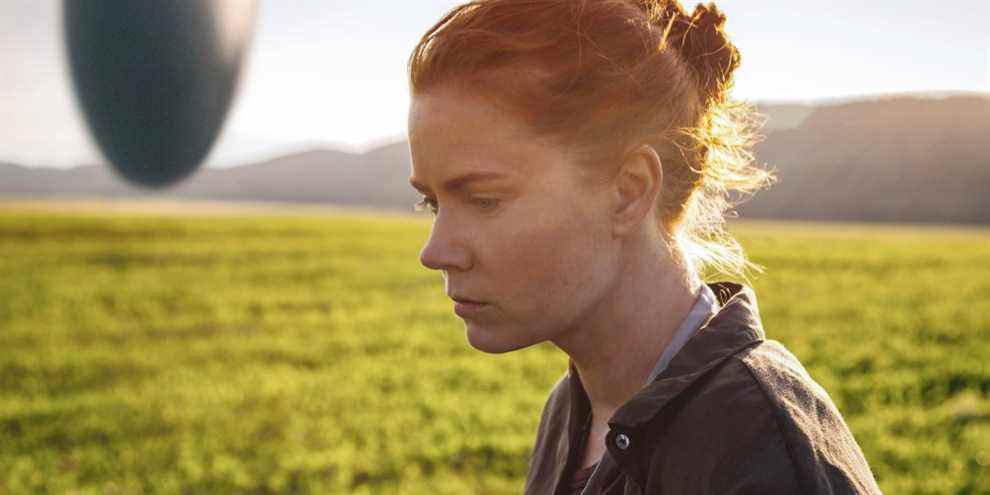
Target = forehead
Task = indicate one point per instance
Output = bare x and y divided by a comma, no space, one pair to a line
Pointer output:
453,130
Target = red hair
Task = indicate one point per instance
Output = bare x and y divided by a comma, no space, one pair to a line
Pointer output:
604,76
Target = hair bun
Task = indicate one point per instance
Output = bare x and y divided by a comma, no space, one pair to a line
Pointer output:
702,43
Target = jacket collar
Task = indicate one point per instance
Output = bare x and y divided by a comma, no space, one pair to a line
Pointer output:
735,327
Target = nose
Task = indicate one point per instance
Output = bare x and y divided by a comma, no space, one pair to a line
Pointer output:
443,250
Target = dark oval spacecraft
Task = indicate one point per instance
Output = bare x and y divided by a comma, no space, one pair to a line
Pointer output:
156,78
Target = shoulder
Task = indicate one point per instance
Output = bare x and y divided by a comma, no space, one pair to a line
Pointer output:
802,409
555,410
780,375
547,449
766,379
722,435
821,445
765,424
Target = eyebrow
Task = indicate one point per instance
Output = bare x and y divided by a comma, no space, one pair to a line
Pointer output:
457,183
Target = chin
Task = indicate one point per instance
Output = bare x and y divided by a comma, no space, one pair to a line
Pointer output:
487,339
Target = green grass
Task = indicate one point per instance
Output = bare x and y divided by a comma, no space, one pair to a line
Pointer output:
308,354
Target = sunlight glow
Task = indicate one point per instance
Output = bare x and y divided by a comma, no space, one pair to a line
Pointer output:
235,20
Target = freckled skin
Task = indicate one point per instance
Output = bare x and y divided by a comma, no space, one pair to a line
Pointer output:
543,257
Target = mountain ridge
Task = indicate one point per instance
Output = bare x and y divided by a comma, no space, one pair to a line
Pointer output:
889,158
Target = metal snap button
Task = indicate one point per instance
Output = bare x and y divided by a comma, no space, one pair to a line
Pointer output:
622,441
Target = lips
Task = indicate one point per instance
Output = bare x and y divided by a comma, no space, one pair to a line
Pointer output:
465,300
469,308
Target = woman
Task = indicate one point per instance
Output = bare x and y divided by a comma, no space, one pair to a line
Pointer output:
579,157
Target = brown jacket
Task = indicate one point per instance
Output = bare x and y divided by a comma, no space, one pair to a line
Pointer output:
733,413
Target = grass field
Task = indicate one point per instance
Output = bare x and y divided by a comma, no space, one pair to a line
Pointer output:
168,353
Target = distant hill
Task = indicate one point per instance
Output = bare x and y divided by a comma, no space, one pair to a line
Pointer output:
378,178
899,159
896,159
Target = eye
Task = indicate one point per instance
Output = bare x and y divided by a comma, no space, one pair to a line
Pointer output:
427,203
486,204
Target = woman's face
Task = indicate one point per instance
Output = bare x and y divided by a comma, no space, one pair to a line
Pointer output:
518,228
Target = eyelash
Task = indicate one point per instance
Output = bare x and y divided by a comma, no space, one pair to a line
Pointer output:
431,204
493,203
425,203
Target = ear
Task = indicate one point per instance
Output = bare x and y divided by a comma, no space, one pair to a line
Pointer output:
637,187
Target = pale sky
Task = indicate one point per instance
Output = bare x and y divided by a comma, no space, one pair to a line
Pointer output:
332,72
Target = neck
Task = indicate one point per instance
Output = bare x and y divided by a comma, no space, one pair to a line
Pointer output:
617,345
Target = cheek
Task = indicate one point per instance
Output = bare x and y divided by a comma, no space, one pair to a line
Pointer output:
550,261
